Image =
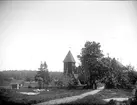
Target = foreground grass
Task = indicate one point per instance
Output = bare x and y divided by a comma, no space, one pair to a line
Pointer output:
114,93
11,97
88,100
14,97
97,99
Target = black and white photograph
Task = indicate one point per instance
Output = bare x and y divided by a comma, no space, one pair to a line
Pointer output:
68,52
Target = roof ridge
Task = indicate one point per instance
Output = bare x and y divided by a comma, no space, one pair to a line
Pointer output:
69,57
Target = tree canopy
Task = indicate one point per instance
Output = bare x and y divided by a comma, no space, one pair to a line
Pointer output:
43,74
95,67
90,60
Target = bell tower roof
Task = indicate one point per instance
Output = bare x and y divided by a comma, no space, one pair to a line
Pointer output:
69,57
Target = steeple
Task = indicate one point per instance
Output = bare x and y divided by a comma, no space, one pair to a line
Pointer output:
69,57
69,63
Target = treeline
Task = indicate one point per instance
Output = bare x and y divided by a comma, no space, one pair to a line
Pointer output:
19,74
27,75
94,68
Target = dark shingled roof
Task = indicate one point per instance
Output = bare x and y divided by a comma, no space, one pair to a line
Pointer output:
69,58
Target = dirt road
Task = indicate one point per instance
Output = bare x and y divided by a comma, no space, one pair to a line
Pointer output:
70,99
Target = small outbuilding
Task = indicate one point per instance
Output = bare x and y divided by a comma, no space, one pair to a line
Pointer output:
16,84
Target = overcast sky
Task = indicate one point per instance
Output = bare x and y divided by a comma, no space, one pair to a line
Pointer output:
31,32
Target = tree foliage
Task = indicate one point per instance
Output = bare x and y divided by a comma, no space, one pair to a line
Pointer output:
67,81
132,74
90,60
117,75
81,74
19,74
1,78
43,74
95,67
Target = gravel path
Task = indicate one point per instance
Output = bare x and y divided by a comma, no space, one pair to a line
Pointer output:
70,99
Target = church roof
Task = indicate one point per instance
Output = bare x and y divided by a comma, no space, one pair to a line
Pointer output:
69,57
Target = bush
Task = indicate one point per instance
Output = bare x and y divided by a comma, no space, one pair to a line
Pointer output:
29,86
5,97
118,80
59,83
67,81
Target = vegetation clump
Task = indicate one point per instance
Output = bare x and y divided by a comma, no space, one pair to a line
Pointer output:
96,68
43,76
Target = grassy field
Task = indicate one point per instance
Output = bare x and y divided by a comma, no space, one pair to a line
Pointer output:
89,100
97,99
13,96
112,93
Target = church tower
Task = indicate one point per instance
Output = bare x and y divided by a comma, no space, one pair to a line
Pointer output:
69,63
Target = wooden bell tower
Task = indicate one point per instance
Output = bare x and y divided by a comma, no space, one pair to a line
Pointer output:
69,63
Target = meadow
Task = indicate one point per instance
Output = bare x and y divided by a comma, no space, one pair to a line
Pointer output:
9,96
98,99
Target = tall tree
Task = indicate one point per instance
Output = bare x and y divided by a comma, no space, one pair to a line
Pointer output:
43,74
90,60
